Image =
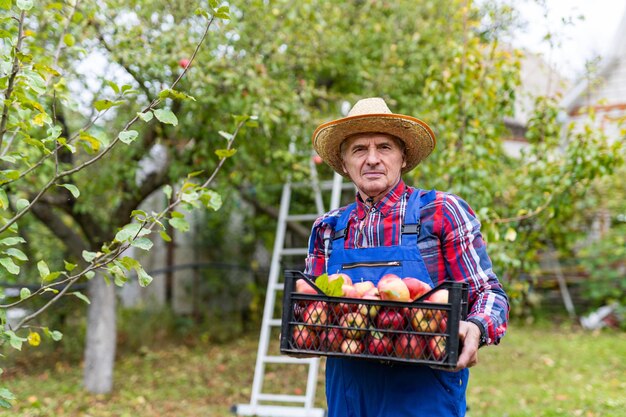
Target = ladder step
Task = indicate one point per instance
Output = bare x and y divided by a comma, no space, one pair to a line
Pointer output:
302,217
287,359
276,411
295,251
282,397
274,322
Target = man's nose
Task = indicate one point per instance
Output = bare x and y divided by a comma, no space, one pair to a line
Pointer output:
372,156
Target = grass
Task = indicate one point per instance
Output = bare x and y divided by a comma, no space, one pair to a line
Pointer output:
538,372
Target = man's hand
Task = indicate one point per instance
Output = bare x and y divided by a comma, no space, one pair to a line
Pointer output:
469,333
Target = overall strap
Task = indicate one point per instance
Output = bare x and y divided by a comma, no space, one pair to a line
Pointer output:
411,224
342,225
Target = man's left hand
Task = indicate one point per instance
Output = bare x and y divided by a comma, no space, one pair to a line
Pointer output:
469,333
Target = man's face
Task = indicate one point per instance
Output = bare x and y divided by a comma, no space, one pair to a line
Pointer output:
373,162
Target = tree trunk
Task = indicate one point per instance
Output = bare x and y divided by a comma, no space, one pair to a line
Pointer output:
101,337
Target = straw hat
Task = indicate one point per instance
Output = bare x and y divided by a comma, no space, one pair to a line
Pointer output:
371,115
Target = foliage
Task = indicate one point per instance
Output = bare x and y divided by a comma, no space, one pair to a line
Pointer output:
51,144
542,371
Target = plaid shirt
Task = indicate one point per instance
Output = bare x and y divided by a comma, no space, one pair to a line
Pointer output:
450,244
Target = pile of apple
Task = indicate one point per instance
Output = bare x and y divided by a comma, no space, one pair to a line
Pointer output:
358,327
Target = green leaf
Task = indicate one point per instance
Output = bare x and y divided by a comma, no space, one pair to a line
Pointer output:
90,274
8,175
81,296
114,86
91,143
179,224
225,153
17,254
102,105
510,235
144,278
176,95
10,266
146,117
128,232
211,199
10,241
54,335
142,243
128,136
165,236
43,268
6,394
166,116
69,40
168,191
69,267
14,340
4,200
25,5
21,204
5,4
89,256
24,293
72,189
129,263
225,135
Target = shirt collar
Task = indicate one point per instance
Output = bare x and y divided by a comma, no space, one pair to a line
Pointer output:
385,204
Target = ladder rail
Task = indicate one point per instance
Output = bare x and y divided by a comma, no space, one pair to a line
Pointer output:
274,286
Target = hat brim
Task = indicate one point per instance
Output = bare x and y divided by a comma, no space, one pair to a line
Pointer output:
418,137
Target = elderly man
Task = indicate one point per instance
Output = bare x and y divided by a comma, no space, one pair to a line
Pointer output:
393,228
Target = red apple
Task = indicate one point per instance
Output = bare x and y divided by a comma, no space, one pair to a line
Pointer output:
346,279
352,324
389,318
315,315
304,338
379,344
386,277
183,63
349,291
416,287
409,346
331,339
437,347
439,296
393,289
352,346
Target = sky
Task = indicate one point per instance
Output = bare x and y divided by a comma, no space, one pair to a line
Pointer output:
578,42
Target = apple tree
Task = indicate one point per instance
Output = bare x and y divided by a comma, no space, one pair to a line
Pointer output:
75,142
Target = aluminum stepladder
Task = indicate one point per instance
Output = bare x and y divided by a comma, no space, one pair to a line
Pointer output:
303,405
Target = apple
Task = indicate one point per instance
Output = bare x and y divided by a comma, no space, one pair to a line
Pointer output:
439,297
183,63
416,287
349,291
393,289
346,279
437,347
352,346
409,346
380,344
304,338
386,277
363,287
303,287
331,339
315,314
422,320
352,324
390,318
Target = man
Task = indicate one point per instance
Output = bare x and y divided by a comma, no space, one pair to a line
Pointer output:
373,147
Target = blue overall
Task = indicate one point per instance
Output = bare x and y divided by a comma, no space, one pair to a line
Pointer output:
362,388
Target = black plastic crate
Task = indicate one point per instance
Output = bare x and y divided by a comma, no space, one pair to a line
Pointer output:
411,332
